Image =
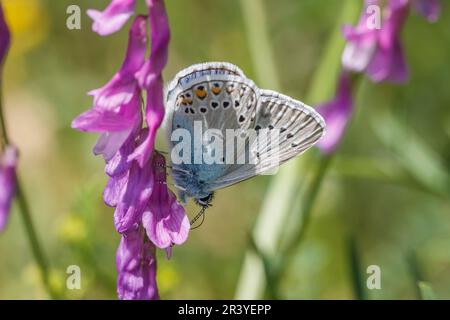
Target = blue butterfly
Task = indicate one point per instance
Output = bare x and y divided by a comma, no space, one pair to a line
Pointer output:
218,96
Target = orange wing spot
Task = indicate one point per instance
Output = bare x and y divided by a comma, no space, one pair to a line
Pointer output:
201,93
216,90
185,101
230,89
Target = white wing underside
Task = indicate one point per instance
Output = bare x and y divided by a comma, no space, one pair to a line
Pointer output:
249,107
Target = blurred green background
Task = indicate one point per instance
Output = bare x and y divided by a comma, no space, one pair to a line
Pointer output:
388,185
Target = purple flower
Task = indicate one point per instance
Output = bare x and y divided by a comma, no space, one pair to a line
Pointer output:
377,50
336,113
4,37
8,163
113,17
134,194
164,218
150,77
147,213
136,267
116,111
428,8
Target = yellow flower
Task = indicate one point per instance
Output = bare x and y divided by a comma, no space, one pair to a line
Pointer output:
28,22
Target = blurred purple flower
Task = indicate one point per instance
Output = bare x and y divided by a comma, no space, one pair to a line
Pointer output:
8,164
377,50
8,158
430,9
4,37
164,218
113,17
336,113
116,110
373,46
136,267
150,77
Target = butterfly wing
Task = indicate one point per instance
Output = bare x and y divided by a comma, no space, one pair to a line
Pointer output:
216,96
299,127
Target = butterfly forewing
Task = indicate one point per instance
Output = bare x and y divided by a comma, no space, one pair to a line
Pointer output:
218,96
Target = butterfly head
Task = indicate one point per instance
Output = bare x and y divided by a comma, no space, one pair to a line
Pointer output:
205,202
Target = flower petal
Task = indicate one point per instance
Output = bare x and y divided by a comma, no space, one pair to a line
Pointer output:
136,267
109,143
4,36
164,219
113,17
389,65
136,196
114,190
430,9
336,113
150,77
8,164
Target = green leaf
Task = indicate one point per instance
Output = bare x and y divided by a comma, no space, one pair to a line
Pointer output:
426,292
412,152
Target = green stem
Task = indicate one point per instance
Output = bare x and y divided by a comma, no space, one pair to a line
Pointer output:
355,270
4,133
310,199
24,210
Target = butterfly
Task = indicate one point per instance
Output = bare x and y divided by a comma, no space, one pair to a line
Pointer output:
218,97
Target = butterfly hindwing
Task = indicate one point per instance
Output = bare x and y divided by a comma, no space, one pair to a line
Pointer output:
298,128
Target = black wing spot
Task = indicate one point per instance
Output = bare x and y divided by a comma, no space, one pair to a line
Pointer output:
241,118
289,135
214,104
226,104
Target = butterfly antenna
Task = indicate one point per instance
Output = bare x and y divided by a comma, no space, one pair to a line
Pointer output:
200,214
